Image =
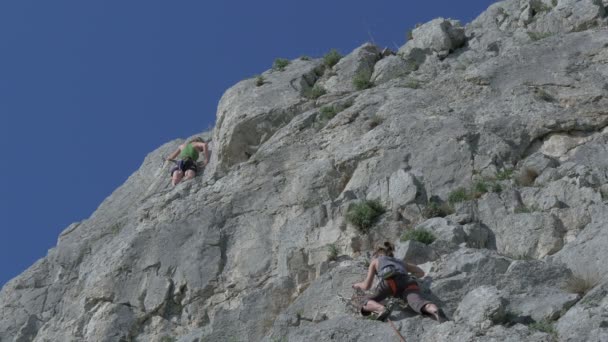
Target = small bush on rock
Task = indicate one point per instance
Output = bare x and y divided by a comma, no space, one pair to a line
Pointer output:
411,83
497,188
544,326
505,174
315,92
364,214
280,64
361,80
259,80
582,283
375,121
332,58
458,195
434,209
327,113
420,235
333,251
480,188
305,58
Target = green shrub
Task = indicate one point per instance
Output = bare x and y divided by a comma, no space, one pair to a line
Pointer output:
167,339
504,174
496,187
315,92
434,209
410,34
332,58
364,214
411,83
328,112
522,210
305,58
116,228
534,36
544,326
280,64
458,195
259,80
333,251
361,80
375,121
542,95
420,235
480,188
582,283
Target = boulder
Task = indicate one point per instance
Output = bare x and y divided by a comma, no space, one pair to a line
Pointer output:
396,191
481,307
440,36
359,62
391,67
415,252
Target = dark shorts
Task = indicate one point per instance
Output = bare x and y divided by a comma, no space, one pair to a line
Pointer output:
185,165
406,290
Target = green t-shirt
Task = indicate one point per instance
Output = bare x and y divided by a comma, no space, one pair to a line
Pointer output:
189,152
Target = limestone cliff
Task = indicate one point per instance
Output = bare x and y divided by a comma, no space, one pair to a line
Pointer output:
491,136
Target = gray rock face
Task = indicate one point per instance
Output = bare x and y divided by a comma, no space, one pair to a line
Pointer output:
481,307
439,35
360,62
258,247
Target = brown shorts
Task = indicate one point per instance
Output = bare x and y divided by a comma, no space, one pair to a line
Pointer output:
413,297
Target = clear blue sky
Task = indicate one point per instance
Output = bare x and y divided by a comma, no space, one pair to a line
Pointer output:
88,88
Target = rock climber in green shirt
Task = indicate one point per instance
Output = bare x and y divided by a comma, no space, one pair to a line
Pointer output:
188,157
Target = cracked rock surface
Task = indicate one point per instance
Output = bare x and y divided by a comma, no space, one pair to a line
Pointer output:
510,111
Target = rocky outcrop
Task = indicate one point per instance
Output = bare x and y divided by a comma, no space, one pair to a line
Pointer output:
491,137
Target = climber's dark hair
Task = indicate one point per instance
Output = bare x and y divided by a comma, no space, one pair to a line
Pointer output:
385,249
197,139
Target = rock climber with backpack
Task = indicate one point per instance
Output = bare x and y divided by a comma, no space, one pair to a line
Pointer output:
394,281
188,154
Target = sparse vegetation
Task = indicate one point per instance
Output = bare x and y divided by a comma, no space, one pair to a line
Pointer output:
554,3
458,195
411,65
505,174
420,235
305,58
411,83
259,80
526,210
410,34
327,113
544,326
361,80
434,209
364,214
375,121
480,188
167,339
534,36
582,283
526,177
496,187
542,95
332,58
333,251
115,229
315,92
280,64
539,7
